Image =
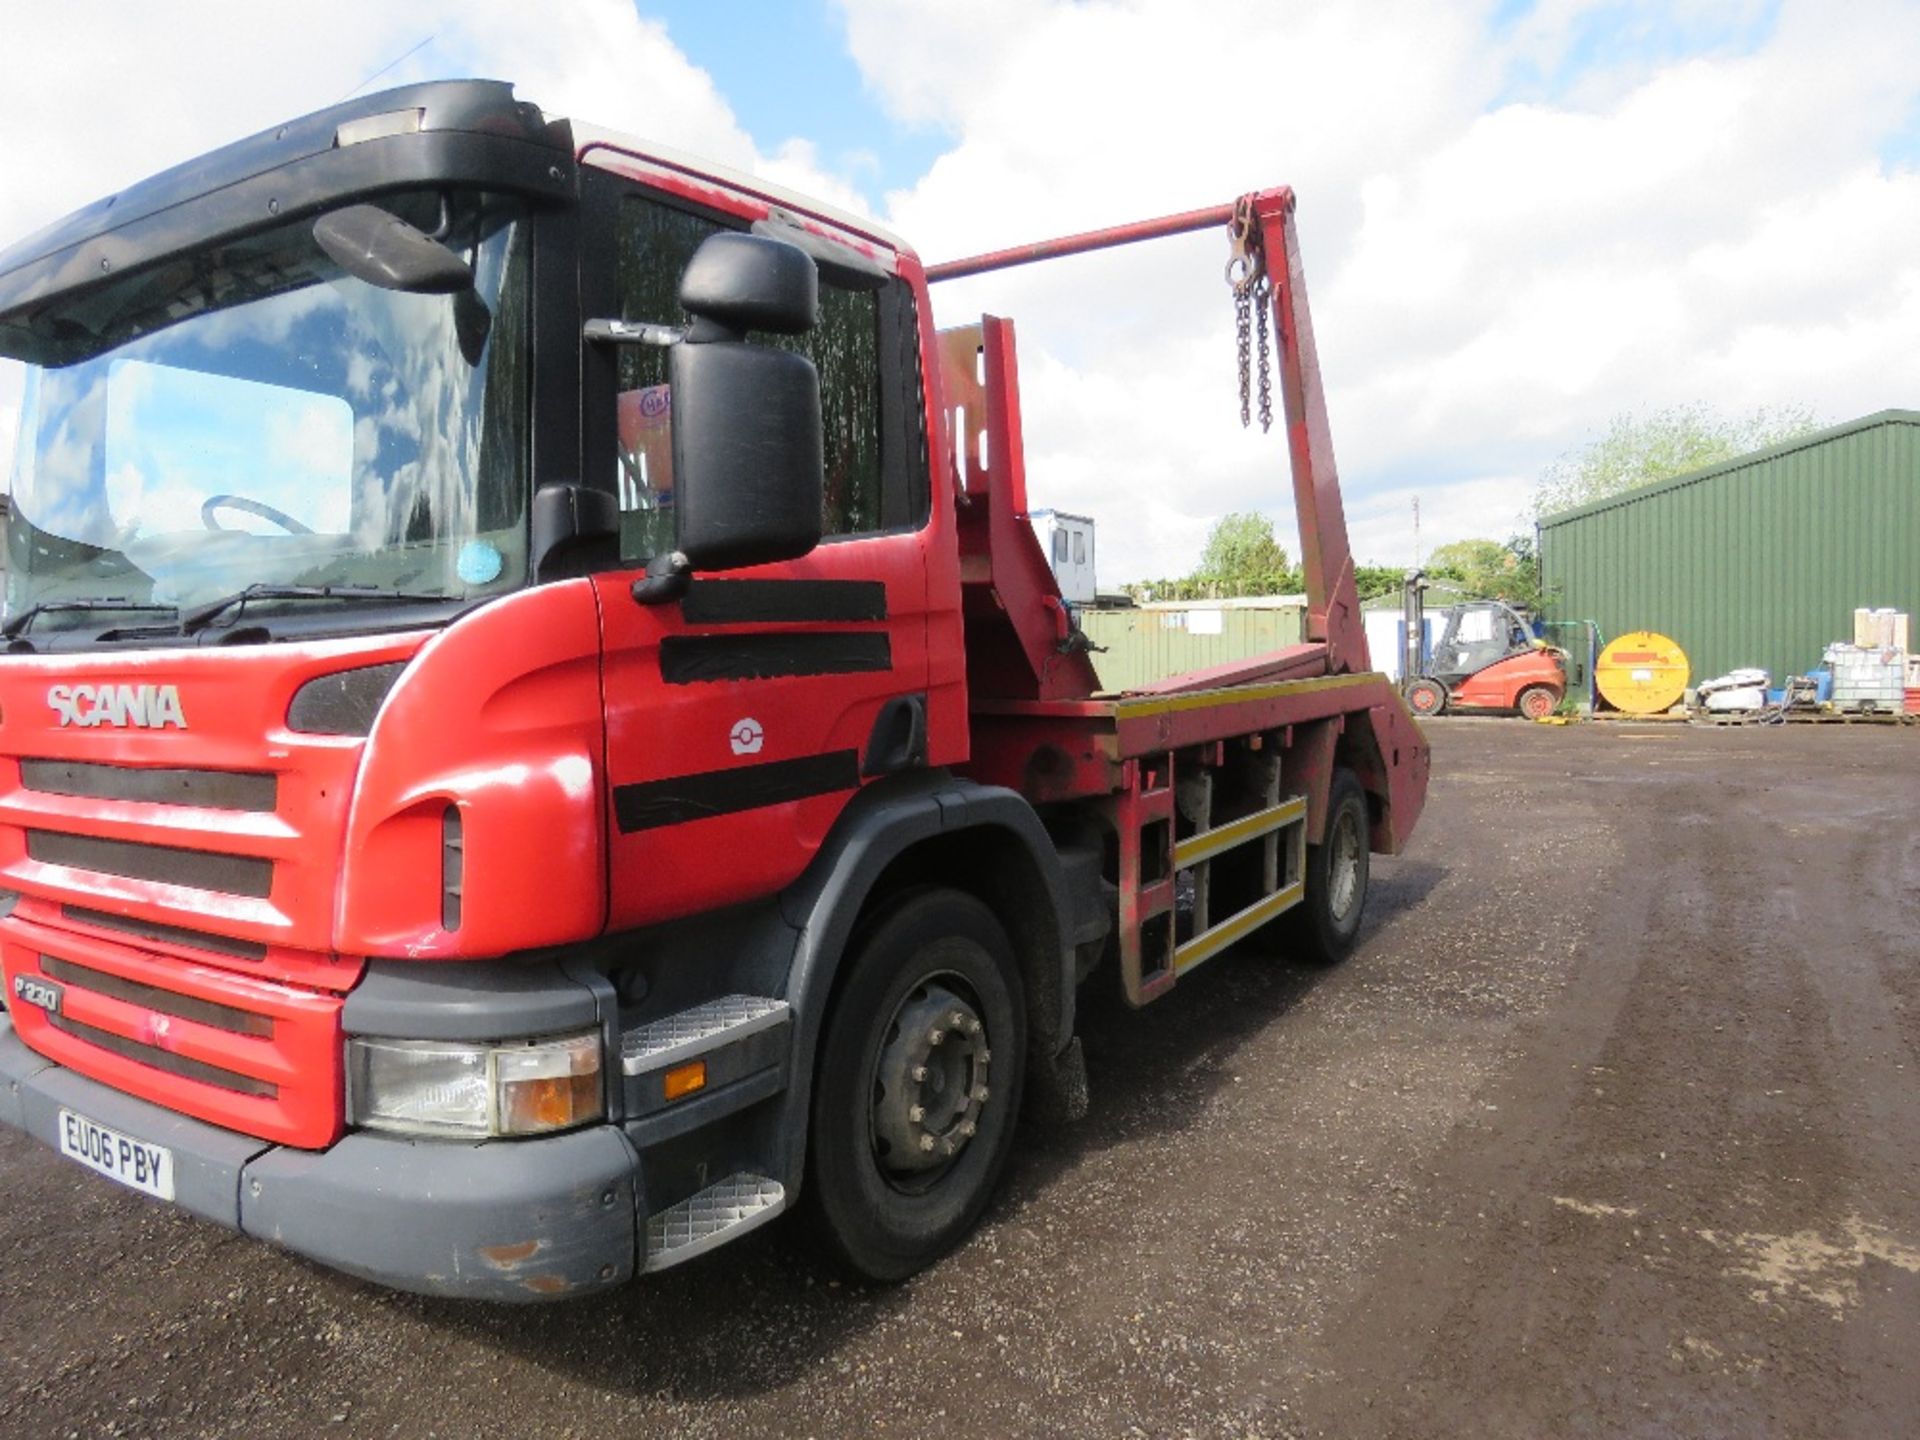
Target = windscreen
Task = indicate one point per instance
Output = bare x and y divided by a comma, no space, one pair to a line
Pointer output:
252,415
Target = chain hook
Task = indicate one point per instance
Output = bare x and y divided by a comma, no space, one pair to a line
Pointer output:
1247,277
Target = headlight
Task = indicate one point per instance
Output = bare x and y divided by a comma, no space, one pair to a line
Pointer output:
433,1087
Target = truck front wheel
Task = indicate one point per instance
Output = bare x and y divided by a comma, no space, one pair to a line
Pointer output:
918,1084
1323,926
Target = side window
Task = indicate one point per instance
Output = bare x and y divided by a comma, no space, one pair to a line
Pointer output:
655,244
1079,548
1059,547
865,347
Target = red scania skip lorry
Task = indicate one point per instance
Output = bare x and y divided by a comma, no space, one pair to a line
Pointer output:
535,732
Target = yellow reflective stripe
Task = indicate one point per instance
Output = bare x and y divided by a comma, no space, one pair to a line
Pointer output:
1239,694
1209,843
1210,943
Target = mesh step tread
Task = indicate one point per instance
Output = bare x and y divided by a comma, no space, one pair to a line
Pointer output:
717,1214
662,1042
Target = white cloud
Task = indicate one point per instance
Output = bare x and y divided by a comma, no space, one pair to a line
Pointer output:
1492,278
1512,232
115,93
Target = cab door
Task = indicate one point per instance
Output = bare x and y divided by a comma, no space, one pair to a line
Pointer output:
742,717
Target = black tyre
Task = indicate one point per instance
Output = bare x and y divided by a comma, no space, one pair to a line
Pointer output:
1323,927
1426,696
917,1086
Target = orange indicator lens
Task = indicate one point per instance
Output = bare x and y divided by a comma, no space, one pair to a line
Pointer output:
683,1080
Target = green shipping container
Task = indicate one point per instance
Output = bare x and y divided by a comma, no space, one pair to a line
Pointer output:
1158,641
1761,560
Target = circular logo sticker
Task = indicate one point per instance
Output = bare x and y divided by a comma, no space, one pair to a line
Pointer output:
479,562
746,736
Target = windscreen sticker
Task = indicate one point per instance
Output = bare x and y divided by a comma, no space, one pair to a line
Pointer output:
479,563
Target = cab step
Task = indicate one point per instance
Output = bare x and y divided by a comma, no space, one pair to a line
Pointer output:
723,1211
682,1036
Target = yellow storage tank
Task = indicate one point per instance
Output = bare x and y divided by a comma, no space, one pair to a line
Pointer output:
1642,673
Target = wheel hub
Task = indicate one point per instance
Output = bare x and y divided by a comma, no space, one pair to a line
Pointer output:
930,1084
1343,874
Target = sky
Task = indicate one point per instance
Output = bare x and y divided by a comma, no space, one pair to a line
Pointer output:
1519,218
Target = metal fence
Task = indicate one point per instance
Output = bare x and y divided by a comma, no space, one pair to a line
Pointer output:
1154,642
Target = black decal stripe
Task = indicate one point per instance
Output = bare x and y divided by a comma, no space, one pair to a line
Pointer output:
726,792
692,659
774,602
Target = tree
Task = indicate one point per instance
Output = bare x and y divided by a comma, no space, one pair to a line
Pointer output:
1370,582
1638,450
1240,548
1490,569
1241,558
1470,557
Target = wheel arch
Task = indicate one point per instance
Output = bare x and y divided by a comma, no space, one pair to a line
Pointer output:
983,840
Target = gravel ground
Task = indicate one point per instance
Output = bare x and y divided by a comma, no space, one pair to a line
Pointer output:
1609,1129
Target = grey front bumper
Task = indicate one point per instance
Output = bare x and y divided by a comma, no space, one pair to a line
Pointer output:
514,1220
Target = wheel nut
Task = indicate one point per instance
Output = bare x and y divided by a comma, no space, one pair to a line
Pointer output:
916,1113
926,1142
984,1056
973,1027
935,1036
958,1019
969,1129
980,1094
919,1072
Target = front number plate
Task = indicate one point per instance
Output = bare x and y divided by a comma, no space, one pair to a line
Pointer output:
138,1164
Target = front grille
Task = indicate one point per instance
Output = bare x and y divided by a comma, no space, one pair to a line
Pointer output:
166,1060
207,789
261,1057
171,934
167,1002
167,864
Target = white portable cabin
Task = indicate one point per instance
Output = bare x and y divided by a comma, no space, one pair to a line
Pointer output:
1067,542
1387,639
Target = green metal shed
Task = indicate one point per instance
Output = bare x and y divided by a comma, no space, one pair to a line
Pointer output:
1760,560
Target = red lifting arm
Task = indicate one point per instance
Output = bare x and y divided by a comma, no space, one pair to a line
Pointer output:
1333,608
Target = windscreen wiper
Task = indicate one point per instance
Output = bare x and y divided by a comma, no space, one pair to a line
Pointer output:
26,617
200,616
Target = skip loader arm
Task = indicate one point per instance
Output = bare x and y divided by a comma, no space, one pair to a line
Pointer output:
1266,257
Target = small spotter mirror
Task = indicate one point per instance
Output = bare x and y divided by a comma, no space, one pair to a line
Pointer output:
380,248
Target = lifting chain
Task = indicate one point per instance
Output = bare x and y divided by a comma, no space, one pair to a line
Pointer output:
1252,297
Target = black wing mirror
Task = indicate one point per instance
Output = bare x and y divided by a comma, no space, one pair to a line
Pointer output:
748,473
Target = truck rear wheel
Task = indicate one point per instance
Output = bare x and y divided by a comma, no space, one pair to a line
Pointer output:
918,1085
1322,928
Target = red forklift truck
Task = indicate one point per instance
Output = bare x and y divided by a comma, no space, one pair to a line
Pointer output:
535,733
1486,657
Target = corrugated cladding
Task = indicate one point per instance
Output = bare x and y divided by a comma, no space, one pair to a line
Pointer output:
1761,560
1152,644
